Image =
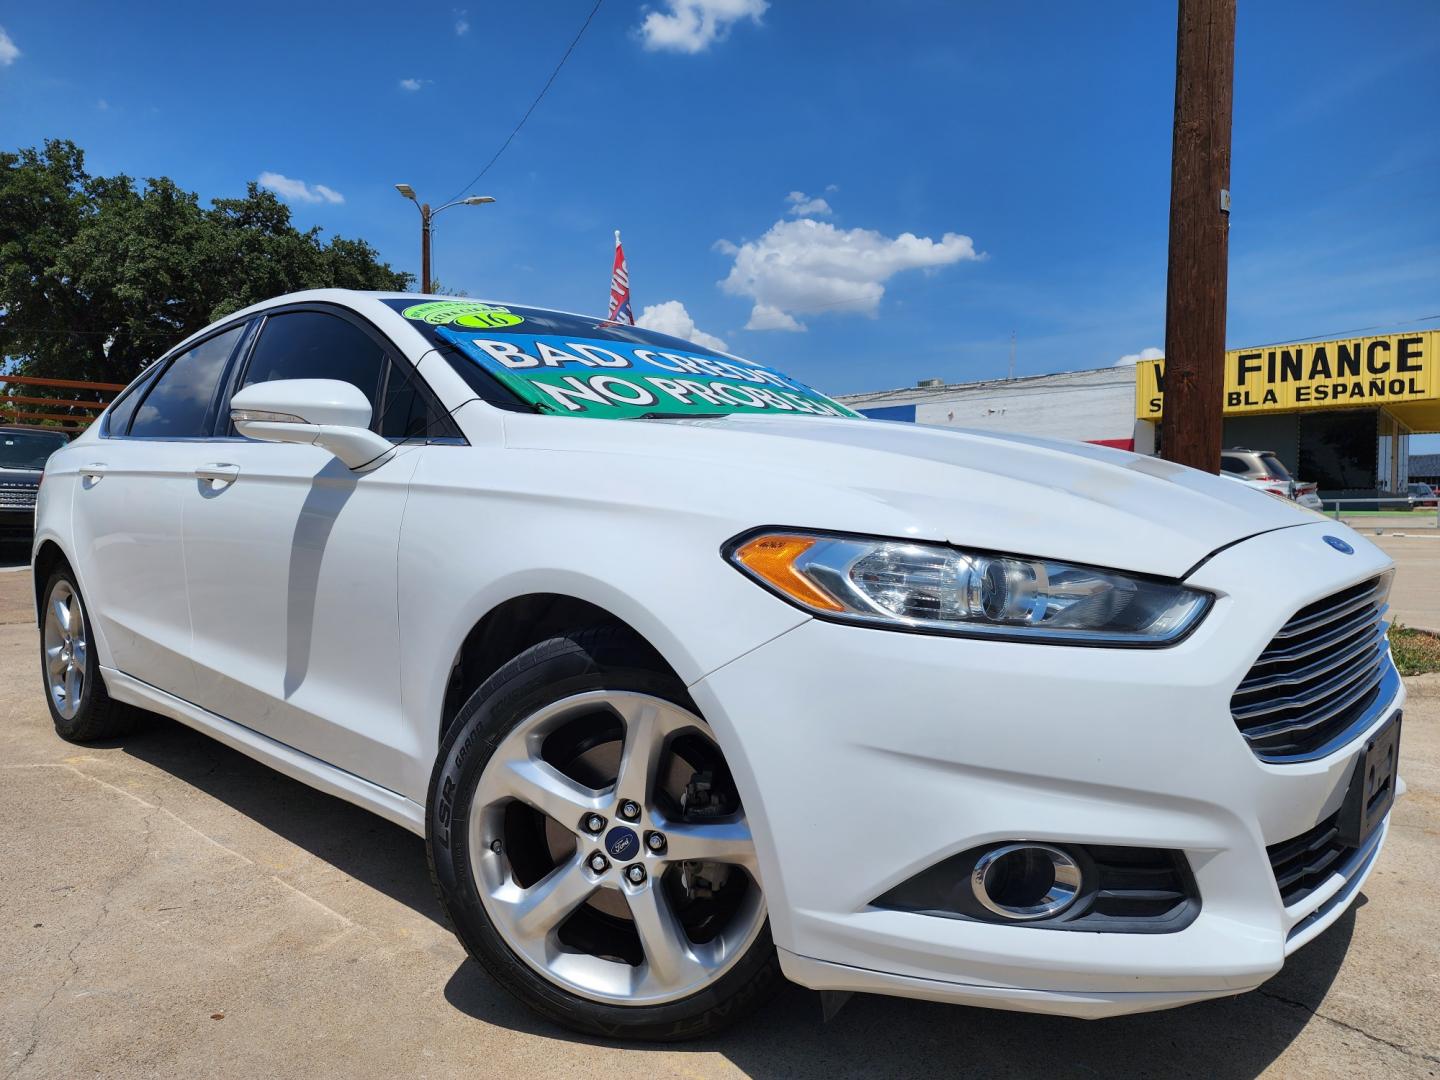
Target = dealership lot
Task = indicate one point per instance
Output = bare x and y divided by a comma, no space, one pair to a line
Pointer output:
170,907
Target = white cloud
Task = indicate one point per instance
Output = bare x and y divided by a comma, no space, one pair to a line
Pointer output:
297,190
692,26
9,51
765,317
805,266
412,84
672,318
1151,353
103,105
462,22
802,205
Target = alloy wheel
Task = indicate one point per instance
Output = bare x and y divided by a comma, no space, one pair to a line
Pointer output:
66,649
611,852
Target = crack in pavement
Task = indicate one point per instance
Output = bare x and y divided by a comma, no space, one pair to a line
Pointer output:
1418,1055
151,811
119,879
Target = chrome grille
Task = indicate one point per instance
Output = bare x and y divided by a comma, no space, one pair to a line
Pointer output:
1323,678
17,496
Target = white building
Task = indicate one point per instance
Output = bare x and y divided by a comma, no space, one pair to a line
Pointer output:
1093,406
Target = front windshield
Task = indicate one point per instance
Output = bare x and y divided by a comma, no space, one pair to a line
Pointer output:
28,449
570,365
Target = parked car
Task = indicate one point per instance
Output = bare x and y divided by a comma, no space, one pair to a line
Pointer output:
1421,495
692,679
1266,471
23,453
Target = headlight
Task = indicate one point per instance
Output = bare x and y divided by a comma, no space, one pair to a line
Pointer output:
929,587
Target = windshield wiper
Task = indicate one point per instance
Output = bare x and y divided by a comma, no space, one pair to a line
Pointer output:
679,416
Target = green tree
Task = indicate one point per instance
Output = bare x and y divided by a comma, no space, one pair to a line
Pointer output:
99,275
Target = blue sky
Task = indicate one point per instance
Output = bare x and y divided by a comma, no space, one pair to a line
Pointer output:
960,170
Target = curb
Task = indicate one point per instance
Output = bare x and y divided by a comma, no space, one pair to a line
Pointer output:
1423,686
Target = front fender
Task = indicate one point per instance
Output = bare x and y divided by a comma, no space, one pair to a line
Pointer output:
465,551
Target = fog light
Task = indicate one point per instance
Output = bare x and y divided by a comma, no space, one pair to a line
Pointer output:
1026,881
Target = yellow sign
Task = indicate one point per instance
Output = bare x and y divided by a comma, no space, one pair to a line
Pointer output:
1400,371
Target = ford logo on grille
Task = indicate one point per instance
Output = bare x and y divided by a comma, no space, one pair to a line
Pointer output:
622,843
1339,545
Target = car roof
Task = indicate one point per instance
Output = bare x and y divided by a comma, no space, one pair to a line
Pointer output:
360,300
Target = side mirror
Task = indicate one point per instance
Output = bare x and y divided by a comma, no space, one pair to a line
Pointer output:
311,412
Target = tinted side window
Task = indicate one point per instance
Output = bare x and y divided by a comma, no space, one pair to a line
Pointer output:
1233,465
313,345
178,403
118,419
407,412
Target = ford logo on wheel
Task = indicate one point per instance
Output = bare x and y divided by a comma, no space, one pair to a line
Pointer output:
622,843
1339,545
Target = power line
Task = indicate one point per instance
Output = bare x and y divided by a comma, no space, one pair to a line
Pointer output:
538,98
1351,332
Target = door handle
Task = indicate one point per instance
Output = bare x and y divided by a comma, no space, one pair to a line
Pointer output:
220,474
93,472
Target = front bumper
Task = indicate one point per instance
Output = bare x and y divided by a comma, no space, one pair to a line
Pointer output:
17,524
865,756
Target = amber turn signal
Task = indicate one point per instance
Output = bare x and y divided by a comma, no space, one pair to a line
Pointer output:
771,558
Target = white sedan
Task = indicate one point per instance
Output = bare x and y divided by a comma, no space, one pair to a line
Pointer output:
693,680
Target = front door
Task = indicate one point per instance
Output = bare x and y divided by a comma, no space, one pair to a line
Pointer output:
290,565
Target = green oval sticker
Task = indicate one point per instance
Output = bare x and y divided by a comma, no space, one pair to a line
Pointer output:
489,320
463,313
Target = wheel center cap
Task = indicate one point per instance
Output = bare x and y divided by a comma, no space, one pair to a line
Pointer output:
622,843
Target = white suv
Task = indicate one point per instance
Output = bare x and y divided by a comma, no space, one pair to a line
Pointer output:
692,679
1267,472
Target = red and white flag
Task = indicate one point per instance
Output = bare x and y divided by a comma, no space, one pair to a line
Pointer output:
620,310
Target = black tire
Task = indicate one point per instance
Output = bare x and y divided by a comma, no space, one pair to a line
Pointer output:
608,658
98,716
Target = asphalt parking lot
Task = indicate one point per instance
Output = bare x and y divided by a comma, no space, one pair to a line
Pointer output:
170,908
1415,596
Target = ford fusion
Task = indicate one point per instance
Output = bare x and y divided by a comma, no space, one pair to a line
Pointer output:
694,681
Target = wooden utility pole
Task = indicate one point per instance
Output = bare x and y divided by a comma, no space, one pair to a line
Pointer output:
425,248
1199,234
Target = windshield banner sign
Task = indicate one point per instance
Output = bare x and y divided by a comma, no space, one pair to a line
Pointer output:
614,379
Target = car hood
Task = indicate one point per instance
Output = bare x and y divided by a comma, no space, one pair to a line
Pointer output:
19,476
1014,493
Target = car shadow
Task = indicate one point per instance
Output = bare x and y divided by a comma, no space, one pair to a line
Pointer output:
358,843
329,491
1230,1039
1234,1038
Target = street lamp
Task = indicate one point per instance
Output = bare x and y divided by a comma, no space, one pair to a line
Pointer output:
426,217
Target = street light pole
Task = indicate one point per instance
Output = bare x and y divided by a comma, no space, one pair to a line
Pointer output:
427,218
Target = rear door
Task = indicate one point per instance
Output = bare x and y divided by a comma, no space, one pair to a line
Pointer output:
126,513
291,558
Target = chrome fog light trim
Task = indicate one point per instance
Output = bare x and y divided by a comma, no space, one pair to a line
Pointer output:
1026,881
